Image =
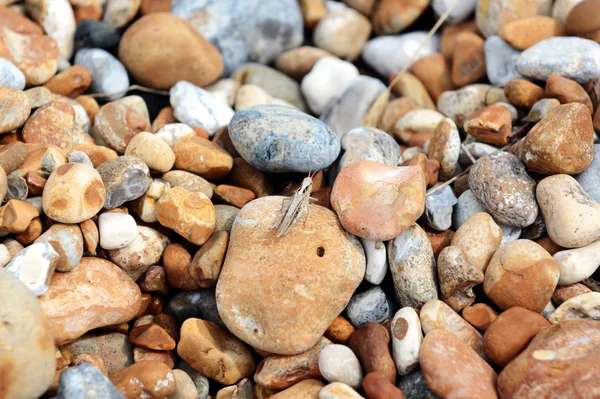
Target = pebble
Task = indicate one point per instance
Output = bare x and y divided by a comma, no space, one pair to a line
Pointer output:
491,124
16,109
368,143
108,74
125,179
538,28
94,294
566,292
468,59
226,215
394,111
16,215
96,34
72,82
408,85
501,61
337,363
151,149
51,124
581,307
326,81
117,230
305,144
172,132
521,273
452,370
67,240
250,95
524,94
185,388
27,354
493,15
338,390
457,276
419,121
577,264
343,31
371,343
459,12
206,265
588,178
79,157
189,181
200,382
415,277
501,182
299,61
569,212
377,264
148,378
58,21
117,124
406,340
214,352
439,207
340,330
145,206
414,386
34,266
308,388
570,57
580,22
256,31
562,8
568,91
389,54
85,381
570,346
370,306
73,193
459,104
479,315
10,76
202,157
444,147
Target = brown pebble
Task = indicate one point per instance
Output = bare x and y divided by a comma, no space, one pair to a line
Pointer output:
408,85
155,280
71,82
449,34
203,157
439,239
152,336
298,62
91,236
16,216
168,323
312,11
340,330
207,262
525,32
371,343
563,293
93,12
377,386
523,94
468,59
479,315
177,260
491,125
92,358
433,71
567,91
31,233
156,305
12,156
307,389
150,6
141,354
583,18
145,379
244,175
394,111
232,195
98,154
18,22
549,245
144,303
164,117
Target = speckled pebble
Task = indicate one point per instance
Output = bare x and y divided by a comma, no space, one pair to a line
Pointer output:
125,179
370,306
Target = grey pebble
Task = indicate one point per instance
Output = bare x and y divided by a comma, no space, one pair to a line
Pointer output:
466,205
369,143
125,179
16,186
541,108
509,233
590,177
277,139
85,381
439,207
501,61
114,348
570,57
10,75
249,30
370,306
108,74
201,382
226,215
80,157
477,150
414,386
201,303
96,34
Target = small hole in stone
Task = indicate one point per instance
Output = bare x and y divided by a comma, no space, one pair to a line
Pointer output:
320,252
256,331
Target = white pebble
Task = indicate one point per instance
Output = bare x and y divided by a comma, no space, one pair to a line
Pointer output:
459,13
337,390
377,264
338,363
577,264
4,255
117,230
584,306
10,75
34,266
174,131
406,340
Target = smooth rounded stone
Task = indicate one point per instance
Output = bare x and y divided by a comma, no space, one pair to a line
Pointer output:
226,215
85,381
138,104
510,233
276,139
412,264
164,42
337,363
369,143
304,389
80,157
501,61
172,132
73,193
347,112
444,147
256,31
145,206
67,240
119,13
585,306
457,275
571,346
438,208
562,142
51,124
145,251
190,181
250,95
570,57
342,31
526,32
377,264
370,306
479,316
566,292
202,157
108,74
389,54
501,182
577,264
244,309
571,215
521,273
414,386
185,388
11,76
461,11
153,150
436,315
492,15
326,81
27,351
114,349
94,294
338,390
377,201
406,340
197,107
589,179
459,104
125,179
371,345
562,8
225,90
145,379
117,230
417,121
200,382
116,124
96,34
16,109
34,266
477,150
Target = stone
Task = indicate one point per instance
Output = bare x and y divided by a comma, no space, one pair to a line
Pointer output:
298,62
145,251
491,124
172,132
501,182
16,109
96,34
73,310
468,59
145,206
235,196
420,121
85,381
119,13
377,386
116,230
189,181
567,91
580,19
342,31
523,94
16,215
71,82
434,73
408,85
492,15
414,276
206,265
73,193
458,13
376,201
17,21
34,266
338,390
152,336
566,292
453,370
11,76
256,31
479,316
185,387
244,309
370,306
588,178
125,179
312,12
117,124
214,352
570,346
377,264
108,74
577,264
392,17
226,215
457,276
202,157
12,155
569,212
151,149
305,144
337,363
527,282
370,343
394,111
97,154
562,8
148,378
537,28
413,385
308,389
250,95
479,237
326,81
67,241
27,346
444,147
581,307
200,382
51,124
438,208
80,157
406,340
389,54
340,330
459,104
176,261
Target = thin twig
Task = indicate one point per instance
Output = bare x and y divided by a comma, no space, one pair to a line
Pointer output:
471,158
130,88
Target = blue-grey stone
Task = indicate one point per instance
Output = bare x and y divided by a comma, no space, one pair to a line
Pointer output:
501,61
85,381
369,143
438,208
414,386
370,306
276,139
96,34
208,306
68,241
509,233
199,304
80,157
248,30
125,178
10,75
590,177
201,382
570,57
466,206
108,74
347,112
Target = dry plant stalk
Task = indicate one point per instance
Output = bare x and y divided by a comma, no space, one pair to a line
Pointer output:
298,207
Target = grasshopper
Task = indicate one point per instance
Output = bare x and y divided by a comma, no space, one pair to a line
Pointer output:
298,206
